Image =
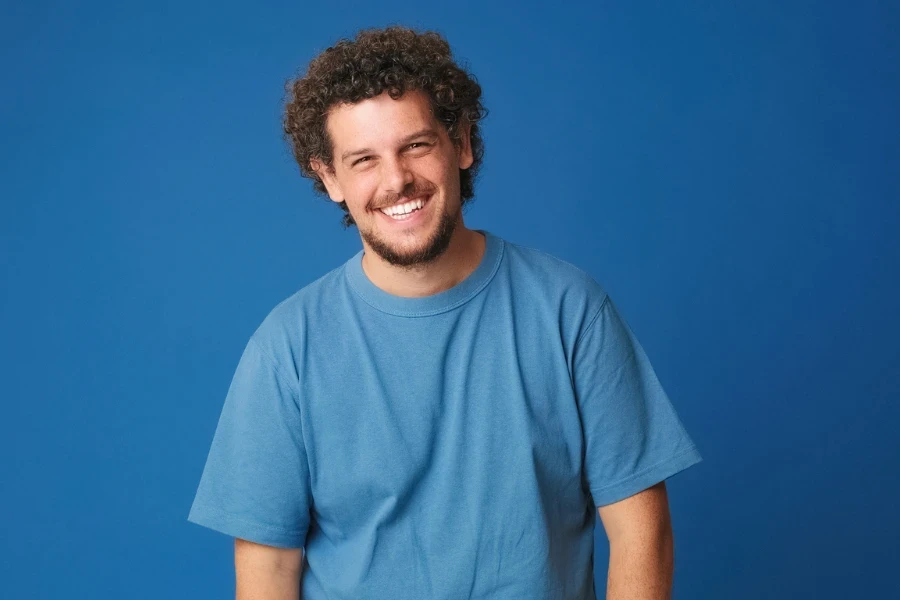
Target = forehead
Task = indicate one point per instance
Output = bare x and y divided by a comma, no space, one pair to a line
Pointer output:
378,121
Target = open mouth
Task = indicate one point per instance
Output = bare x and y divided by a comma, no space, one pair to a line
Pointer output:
401,212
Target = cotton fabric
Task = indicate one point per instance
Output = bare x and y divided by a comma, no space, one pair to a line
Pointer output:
451,446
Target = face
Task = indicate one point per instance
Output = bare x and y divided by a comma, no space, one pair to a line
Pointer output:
398,171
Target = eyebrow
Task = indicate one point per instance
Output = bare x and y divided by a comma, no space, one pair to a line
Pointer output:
429,133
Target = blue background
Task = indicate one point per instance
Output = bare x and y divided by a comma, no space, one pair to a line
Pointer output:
728,172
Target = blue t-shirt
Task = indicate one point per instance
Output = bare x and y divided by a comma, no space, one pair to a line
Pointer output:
446,447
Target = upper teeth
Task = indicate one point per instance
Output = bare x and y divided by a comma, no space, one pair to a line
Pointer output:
403,209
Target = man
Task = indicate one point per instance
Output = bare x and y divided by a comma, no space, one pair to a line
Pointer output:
440,416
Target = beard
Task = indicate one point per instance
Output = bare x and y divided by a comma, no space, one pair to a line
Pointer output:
436,244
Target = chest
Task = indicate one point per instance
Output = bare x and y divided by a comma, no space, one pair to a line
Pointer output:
479,401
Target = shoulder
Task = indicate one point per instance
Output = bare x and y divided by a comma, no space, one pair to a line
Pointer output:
549,275
283,332
546,289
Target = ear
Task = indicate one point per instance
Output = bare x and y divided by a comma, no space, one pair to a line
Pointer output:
327,175
464,149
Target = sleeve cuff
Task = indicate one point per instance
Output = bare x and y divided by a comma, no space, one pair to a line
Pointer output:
254,532
646,478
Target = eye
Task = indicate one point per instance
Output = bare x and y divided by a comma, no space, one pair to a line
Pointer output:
359,160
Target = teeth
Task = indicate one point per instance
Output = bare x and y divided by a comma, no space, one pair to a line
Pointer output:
403,209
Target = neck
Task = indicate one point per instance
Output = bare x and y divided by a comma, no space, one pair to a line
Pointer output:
462,256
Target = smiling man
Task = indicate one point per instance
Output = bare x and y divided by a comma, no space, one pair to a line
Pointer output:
398,173
447,414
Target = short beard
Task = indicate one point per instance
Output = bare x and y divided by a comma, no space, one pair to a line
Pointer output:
436,246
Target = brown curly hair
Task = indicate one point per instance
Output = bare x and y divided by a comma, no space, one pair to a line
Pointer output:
394,59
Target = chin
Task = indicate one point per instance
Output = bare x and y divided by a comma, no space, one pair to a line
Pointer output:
420,253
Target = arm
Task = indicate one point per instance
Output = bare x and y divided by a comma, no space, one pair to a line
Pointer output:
641,546
266,572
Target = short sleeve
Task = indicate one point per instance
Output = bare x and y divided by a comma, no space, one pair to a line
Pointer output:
255,485
633,436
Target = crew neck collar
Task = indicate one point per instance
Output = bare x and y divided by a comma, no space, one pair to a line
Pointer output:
425,306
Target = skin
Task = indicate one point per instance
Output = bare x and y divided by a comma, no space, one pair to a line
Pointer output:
266,572
387,152
396,167
641,546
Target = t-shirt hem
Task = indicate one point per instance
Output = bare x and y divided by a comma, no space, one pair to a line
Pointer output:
646,478
229,524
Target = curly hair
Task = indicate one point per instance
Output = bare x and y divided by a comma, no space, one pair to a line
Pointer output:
394,59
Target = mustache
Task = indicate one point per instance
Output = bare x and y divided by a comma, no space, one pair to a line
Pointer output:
413,190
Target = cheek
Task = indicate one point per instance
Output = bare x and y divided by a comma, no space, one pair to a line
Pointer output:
436,173
360,192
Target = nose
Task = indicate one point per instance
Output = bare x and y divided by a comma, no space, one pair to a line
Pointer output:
396,175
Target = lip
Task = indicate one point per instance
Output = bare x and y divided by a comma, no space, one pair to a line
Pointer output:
413,219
